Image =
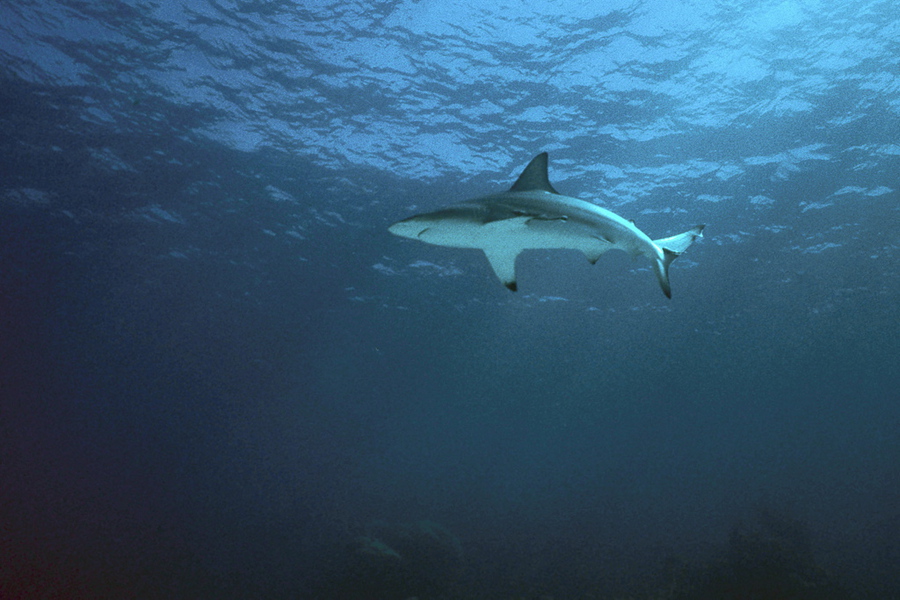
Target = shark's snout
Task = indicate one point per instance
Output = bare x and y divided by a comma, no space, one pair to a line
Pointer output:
408,228
400,228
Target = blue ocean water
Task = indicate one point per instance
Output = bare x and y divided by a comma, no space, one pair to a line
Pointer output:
221,376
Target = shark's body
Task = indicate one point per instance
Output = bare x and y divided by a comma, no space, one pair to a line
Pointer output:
533,215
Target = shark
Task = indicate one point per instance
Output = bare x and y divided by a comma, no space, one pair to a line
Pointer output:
533,215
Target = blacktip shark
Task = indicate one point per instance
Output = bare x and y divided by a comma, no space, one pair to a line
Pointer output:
533,215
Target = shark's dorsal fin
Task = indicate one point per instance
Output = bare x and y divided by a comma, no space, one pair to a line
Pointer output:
534,177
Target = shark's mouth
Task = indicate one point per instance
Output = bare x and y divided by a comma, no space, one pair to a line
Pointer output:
423,231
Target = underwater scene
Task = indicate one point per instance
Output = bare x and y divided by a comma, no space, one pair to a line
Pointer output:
408,299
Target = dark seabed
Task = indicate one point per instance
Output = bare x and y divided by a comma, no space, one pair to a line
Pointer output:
222,377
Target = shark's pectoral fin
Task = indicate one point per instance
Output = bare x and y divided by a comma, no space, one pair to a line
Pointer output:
503,261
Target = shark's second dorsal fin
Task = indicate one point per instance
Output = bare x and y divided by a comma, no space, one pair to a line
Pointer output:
534,177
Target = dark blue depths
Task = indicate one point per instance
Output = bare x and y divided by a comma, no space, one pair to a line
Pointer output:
222,377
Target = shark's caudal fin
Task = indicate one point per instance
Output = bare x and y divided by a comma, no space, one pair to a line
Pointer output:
672,248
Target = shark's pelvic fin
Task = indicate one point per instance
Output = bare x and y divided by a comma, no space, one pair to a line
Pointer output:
534,177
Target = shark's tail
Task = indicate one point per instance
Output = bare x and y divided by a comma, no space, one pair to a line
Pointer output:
672,248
